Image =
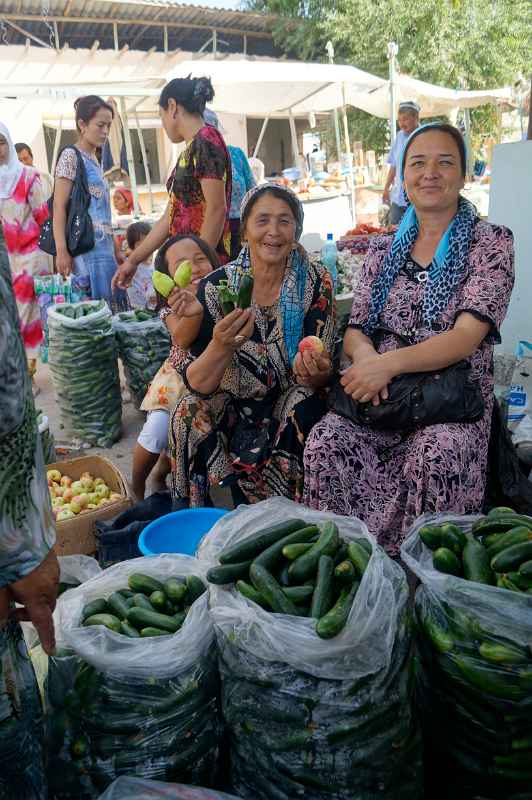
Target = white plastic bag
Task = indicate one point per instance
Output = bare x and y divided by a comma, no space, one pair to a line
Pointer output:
143,346
320,718
475,694
146,707
137,789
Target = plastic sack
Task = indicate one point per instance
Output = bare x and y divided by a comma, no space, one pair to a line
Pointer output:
475,687
143,346
312,717
138,789
144,707
47,439
84,367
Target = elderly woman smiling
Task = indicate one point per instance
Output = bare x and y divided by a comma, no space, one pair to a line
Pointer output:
254,398
443,282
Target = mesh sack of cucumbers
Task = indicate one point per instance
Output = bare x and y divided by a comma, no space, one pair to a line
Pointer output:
84,367
474,627
143,346
310,620
133,687
126,788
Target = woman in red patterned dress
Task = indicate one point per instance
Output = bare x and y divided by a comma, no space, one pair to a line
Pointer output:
199,187
23,210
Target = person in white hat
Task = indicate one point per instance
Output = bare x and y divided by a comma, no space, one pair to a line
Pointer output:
394,195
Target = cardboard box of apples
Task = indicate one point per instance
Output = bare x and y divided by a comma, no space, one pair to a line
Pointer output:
83,491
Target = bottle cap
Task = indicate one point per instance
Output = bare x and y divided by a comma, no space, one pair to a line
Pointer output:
329,237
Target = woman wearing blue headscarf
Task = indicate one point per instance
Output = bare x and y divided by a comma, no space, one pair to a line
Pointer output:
443,282
253,397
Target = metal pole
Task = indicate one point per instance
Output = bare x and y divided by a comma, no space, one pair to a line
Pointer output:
57,143
330,53
393,49
350,157
467,137
261,136
129,151
144,159
529,130
293,132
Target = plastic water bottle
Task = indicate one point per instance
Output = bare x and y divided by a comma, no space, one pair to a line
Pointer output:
328,258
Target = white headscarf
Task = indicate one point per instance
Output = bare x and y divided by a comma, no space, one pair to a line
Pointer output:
11,171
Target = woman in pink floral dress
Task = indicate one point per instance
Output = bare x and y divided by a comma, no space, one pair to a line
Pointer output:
22,211
444,281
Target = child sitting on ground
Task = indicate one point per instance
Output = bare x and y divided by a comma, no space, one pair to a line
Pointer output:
182,314
141,293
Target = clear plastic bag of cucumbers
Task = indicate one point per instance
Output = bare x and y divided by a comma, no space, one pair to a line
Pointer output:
84,367
143,345
137,789
125,704
311,716
475,644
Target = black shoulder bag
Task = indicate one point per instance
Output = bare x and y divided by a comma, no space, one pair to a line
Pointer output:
79,232
416,399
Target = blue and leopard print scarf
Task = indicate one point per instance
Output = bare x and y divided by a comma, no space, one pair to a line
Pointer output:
445,272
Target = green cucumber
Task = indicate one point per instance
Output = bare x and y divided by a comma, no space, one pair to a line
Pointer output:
118,605
306,565
502,653
322,597
158,601
345,573
521,580
98,606
445,560
298,594
496,512
245,291
512,558
265,583
129,630
228,573
501,524
486,679
268,558
146,633
441,639
127,593
142,618
175,590
453,538
250,593
180,618
365,543
141,601
504,582
335,620
476,562
144,583
341,554
255,544
525,570
195,588
430,535
358,556
283,576
515,536
293,551
107,620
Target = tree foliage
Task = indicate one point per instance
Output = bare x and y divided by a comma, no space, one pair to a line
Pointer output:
470,44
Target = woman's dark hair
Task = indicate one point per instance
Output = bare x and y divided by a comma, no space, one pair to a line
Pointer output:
161,261
291,201
191,93
20,146
444,127
135,232
87,107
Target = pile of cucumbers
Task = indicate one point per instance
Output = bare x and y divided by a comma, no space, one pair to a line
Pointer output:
84,367
298,569
497,551
143,345
147,607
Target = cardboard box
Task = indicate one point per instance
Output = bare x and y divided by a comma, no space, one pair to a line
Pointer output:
76,536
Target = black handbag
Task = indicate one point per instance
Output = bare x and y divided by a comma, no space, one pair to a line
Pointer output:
79,232
416,399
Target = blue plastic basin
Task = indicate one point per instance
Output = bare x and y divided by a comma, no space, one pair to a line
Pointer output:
178,532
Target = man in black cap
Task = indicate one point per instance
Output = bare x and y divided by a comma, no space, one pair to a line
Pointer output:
394,195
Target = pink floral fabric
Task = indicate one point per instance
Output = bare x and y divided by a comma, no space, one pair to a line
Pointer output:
388,479
21,216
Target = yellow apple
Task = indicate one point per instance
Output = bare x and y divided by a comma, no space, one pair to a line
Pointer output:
77,487
68,494
88,484
99,481
91,506
74,507
115,496
53,475
86,475
57,501
102,490
66,481
65,513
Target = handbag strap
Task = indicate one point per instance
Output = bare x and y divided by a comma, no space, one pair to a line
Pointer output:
384,329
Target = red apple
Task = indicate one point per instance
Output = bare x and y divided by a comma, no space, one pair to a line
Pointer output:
311,343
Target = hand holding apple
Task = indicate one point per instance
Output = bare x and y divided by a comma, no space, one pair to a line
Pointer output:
312,364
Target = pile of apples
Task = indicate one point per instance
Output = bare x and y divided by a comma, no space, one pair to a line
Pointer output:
70,498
